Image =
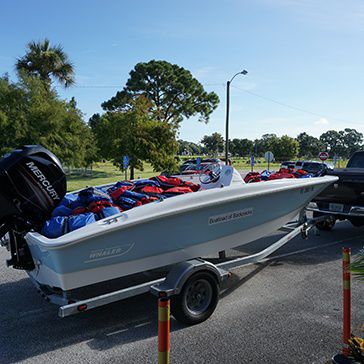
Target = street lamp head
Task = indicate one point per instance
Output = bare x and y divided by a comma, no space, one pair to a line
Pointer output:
243,72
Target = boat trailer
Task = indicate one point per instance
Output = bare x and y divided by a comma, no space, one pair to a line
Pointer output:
193,285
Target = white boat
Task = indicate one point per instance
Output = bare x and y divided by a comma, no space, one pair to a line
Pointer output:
225,214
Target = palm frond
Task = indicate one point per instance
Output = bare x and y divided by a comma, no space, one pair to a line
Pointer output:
46,62
357,267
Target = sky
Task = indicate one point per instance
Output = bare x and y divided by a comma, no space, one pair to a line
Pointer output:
305,58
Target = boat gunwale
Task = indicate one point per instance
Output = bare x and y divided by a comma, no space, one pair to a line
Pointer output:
53,244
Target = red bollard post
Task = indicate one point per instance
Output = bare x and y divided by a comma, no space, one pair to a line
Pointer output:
346,301
163,330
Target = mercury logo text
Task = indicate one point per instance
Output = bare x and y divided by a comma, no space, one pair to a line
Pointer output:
43,180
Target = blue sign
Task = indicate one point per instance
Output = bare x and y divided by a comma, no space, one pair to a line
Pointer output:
198,161
252,161
125,161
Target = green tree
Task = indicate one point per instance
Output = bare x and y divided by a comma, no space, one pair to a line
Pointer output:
136,134
332,140
342,143
353,141
241,147
259,148
309,146
32,113
172,91
268,142
188,148
214,143
47,62
285,148
195,148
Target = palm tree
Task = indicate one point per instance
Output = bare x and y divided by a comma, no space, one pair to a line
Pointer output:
46,62
357,267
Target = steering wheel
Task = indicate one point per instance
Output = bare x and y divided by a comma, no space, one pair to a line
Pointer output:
210,173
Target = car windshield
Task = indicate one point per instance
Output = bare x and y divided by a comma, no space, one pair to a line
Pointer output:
288,165
312,167
356,161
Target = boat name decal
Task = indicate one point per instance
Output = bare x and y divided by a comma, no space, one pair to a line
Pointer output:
230,216
105,253
43,180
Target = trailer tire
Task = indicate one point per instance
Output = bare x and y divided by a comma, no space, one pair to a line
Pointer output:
324,225
197,300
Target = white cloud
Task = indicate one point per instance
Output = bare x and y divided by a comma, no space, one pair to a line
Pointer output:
322,121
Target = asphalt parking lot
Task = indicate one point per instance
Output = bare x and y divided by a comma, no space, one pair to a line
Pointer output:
284,310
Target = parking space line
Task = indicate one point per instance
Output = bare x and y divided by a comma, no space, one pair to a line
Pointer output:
116,332
142,324
128,328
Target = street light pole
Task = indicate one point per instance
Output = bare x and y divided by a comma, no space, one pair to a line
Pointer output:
227,121
243,72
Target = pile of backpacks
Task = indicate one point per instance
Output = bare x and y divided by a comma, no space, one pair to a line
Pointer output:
95,203
252,177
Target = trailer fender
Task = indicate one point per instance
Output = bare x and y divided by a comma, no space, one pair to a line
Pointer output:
181,272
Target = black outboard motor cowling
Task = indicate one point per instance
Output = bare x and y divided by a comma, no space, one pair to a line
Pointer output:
32,183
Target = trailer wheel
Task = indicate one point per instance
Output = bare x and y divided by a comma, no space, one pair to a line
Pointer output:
197,300
326,225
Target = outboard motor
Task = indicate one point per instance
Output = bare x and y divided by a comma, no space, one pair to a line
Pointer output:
32,183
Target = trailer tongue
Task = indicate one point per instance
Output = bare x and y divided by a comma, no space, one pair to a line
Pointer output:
32,184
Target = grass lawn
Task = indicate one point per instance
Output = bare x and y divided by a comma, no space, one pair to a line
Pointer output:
102,173
243,165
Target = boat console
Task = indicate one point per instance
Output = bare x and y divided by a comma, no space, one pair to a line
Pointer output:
214,175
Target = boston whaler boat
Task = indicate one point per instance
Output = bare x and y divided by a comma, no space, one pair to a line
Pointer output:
224,213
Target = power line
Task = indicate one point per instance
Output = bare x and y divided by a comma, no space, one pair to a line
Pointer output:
294,107
93,86
120,87
266,98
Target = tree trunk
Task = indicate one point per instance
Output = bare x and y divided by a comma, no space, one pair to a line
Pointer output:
131,172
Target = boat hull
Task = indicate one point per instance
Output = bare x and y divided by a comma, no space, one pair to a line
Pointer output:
214,223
